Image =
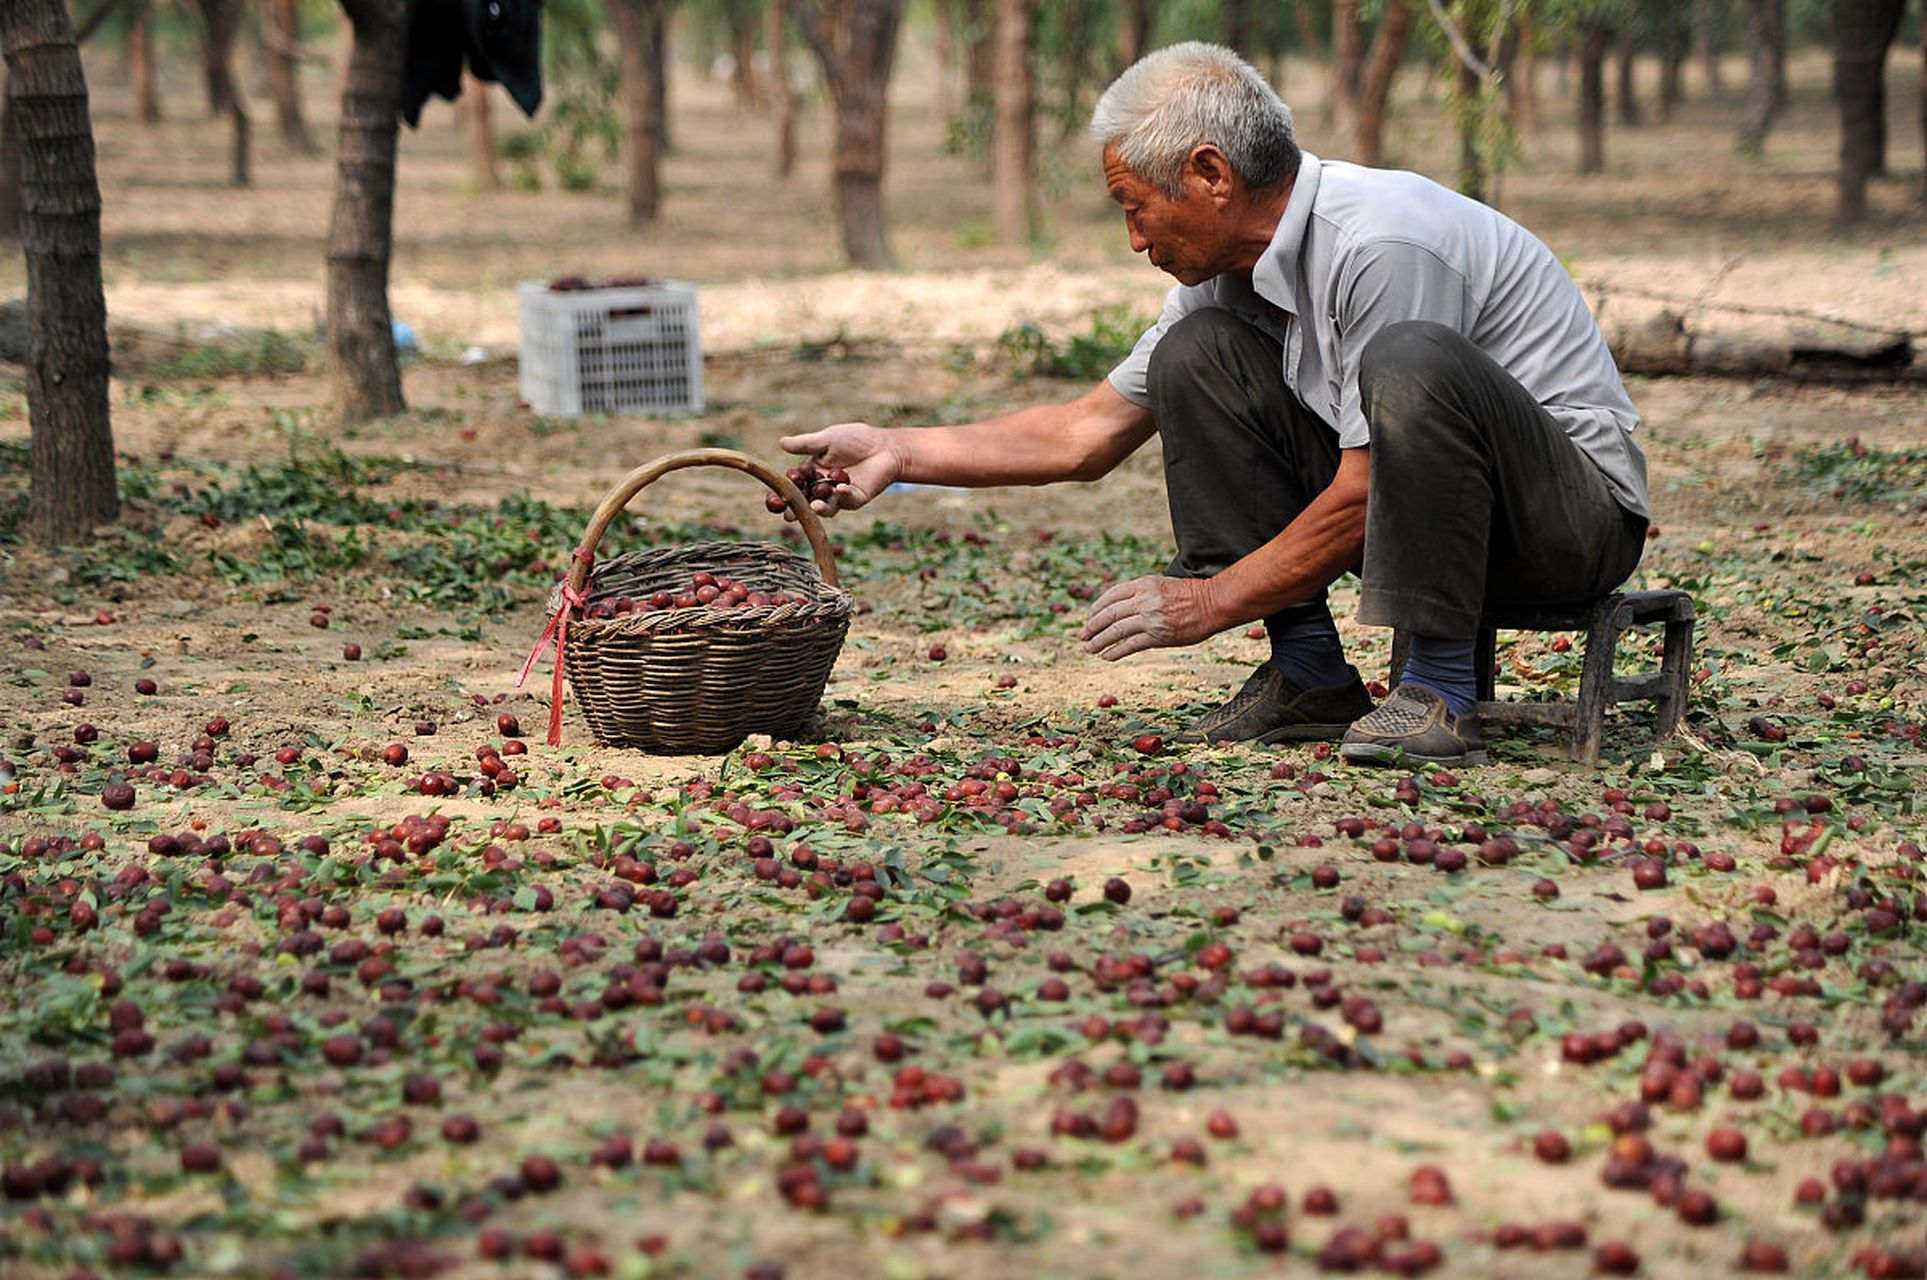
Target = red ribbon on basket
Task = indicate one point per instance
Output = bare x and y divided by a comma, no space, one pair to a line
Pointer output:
557,630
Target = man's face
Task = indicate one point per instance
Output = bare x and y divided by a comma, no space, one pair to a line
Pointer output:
1186,237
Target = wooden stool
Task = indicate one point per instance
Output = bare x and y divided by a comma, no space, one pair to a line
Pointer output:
1599,687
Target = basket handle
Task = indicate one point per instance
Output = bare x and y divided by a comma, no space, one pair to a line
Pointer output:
645,475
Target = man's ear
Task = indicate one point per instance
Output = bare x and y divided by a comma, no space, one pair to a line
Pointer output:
1211,170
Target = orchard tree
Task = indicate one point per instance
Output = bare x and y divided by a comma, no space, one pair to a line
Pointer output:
1362,72
1864,31
1766,64
281,47
1012,164
72,450
855,42
361,235
639,31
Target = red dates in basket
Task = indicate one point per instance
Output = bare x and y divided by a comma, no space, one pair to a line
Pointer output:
818,484
704,591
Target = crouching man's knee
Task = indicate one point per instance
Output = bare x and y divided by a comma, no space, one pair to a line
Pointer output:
1402,368
1196,350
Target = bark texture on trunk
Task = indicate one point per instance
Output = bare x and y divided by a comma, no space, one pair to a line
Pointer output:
1766,63
1595,38
361,236
478,135
1012,174
636,34
855,41
72,450
1387,54
1863,32
9,162
141,80
281,41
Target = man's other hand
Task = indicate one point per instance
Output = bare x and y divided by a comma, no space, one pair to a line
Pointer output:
860,449
1150,613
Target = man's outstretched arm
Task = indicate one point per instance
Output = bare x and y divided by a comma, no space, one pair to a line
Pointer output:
1080,439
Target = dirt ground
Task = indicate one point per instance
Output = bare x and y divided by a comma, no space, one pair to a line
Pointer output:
280,1119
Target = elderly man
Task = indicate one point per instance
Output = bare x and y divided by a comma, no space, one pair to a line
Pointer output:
1357,367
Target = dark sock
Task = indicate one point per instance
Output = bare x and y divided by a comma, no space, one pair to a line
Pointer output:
1444,667
1305,647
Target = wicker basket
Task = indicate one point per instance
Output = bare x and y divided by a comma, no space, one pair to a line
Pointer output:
697,681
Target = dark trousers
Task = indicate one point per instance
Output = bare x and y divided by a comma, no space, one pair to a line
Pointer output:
1477,495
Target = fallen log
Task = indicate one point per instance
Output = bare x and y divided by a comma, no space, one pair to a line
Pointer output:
1663,344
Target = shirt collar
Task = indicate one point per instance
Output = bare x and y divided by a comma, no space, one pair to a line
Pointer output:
1275,276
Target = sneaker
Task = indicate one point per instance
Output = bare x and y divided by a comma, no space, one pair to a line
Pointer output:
1413,723
1270,708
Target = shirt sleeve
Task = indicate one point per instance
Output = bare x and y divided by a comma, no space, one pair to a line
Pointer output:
1388,281
1132,378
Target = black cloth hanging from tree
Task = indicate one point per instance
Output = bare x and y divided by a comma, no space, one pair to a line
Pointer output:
501,40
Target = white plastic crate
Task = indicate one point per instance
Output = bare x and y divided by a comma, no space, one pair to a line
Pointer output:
617,350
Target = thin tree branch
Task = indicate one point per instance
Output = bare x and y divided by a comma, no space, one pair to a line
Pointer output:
1460,45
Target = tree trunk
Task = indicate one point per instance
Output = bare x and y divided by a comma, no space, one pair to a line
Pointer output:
141,80
1134,30
980,72
856,42
1348,68
9,162
779,66
1522,84
1863,32
1235,19
1595,37
636,32
1012,175
242,169
659,83
1627,93
1674,33
1710,51
72,451
1766,61
1473,175
281,40
218,20
740,16
479,136
361,237
1375,92
1923,106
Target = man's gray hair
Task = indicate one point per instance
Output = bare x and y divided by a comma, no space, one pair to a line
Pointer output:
1179,98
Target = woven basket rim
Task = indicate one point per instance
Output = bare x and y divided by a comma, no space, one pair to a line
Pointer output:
825,603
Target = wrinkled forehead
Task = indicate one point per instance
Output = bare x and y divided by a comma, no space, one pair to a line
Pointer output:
1119,176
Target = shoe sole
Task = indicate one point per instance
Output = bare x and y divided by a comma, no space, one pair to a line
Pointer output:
1379,753
1303,733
